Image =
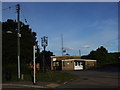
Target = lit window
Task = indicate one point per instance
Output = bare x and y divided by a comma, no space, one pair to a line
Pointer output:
67,63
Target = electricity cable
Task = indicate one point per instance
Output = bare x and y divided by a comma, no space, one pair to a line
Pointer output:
9,7
24,17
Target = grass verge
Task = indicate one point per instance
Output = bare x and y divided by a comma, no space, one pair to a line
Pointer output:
49,76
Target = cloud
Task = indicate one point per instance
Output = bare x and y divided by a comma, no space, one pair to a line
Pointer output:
68,48
86,46
108,45
102,31
90,38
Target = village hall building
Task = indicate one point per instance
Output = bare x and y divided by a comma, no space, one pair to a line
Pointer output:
71,63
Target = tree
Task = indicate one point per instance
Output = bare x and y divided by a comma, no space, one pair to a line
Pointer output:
102,50
47,56
102,56
9,45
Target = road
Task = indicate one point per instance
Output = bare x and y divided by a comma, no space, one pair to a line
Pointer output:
98,78
106,77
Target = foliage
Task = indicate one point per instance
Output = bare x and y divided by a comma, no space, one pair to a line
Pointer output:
55,76
47,59
10,50
9,46
50,76
102,56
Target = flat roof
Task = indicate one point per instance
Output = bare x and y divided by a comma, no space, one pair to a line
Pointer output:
64,56
79,60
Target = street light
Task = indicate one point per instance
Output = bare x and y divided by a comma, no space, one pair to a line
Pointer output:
19,35
9,32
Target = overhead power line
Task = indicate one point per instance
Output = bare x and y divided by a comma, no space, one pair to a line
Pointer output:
9,7
28,20
22,14
24,17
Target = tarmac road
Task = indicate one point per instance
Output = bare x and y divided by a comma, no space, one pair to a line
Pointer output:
106,77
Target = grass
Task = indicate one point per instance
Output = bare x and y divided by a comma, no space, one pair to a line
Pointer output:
56,76
48,76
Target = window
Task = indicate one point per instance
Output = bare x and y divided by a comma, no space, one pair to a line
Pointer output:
55,63
54,59
68,63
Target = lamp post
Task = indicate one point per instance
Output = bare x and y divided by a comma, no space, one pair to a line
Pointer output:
44,45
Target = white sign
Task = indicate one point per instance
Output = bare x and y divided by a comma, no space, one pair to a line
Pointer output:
54,59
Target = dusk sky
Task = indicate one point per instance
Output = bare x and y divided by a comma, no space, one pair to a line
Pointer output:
85,26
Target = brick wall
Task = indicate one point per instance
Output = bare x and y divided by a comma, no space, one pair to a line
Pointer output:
90,64
68,65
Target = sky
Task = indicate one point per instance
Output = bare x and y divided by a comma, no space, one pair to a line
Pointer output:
85,26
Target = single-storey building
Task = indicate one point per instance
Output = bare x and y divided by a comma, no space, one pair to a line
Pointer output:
71,63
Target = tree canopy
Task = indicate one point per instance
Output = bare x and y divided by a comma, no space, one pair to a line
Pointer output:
46,55
102,56
9,43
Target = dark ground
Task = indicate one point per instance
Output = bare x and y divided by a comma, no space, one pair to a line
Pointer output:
102,77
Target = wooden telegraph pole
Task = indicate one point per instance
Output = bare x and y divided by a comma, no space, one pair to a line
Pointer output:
18,19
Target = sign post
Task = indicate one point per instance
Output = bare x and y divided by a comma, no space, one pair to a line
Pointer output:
34,81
